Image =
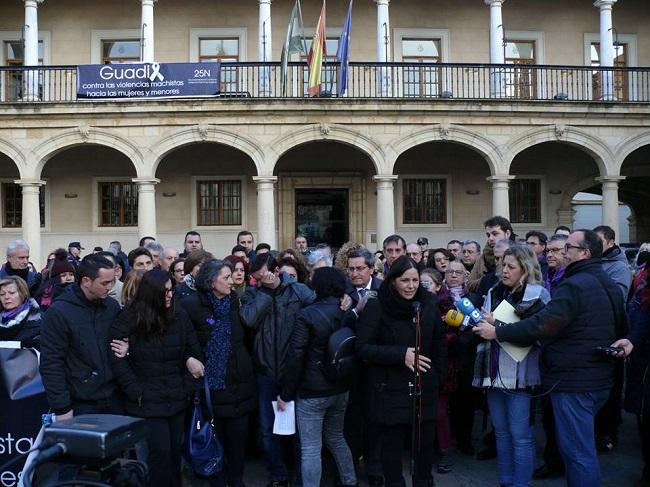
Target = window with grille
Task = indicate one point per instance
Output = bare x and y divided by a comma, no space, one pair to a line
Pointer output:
620,77
424,201
219,202
12,205
422,80
120,51
14,82
224,50
118,204
521,80
526,201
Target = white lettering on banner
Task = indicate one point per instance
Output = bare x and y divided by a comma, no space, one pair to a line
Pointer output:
148,71
9,478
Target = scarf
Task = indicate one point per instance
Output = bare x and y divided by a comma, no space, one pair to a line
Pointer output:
13,317
395,305
553,277
189,281
218,350
457,292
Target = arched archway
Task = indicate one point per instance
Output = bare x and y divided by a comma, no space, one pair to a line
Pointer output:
635,190
325,191
205,186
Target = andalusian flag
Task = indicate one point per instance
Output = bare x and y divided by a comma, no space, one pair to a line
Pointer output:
293,43
316,53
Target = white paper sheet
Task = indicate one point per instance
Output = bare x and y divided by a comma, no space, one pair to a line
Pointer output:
12,345
505,313
285,421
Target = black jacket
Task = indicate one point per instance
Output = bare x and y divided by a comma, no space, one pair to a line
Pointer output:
578,318
24,328
351,317
314,326
239,397
382,340
74,351
272,313
33,279
153,375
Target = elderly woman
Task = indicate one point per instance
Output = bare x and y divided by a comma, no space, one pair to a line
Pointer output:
214,310
508,380
316,260
20,318
386,342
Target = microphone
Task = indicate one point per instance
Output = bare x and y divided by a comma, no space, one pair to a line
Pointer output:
466,307
416,306
456,319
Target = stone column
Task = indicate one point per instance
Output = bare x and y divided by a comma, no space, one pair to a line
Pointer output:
497,54
383,46
266,231
146,206
265,45
610,200
385,206
606,53
500,196
31,49
31,217
147,32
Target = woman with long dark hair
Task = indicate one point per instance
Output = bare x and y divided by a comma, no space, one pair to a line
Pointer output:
386,341
214,311
162,346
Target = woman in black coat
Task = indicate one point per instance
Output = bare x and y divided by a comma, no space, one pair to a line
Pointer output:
214,311
386,341
162,345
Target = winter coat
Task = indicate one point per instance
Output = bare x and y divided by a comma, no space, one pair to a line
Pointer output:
272,313
74,351
382,341
351,316
637,384
24,327
153,375
311,332
33,279
239,396
578,318
616,266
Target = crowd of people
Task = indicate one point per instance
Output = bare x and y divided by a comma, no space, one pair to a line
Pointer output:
136,333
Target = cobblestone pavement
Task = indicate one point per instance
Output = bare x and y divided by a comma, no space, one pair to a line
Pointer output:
620,468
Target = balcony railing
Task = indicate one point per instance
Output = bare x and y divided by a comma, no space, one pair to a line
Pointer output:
402,81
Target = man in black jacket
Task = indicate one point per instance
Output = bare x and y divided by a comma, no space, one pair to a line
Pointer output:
586,311
74,344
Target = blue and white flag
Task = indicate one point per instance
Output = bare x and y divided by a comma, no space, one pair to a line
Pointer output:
343,53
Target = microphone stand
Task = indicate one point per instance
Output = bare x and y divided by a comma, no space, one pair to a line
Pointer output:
416,394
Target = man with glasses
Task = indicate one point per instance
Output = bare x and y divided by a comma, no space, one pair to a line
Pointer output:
414,252
557,261
536,242
471,251
586,311
362,438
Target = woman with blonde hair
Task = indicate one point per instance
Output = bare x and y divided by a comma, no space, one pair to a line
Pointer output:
509,381
131,284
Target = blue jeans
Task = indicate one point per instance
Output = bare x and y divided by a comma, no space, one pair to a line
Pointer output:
267,391
574,425
318,418
510,413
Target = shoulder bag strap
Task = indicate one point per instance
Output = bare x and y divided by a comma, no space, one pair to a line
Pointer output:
208,397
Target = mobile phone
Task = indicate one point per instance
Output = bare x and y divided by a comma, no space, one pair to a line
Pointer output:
609,350
371,294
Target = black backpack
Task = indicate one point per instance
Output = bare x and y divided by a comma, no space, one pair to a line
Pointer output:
339,360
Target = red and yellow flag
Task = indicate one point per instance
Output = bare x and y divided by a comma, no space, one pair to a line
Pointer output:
316,53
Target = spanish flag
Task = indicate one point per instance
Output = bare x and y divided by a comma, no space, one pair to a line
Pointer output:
316,53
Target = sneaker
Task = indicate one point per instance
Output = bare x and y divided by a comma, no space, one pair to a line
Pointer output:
445,464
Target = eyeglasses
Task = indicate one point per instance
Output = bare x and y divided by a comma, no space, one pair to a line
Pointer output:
567,247
454,272
352,270
467,251
555,251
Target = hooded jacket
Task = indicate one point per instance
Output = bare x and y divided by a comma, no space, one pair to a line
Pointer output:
272,314
74,350
615,266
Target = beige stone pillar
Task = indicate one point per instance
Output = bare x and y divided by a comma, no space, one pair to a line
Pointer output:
607,52
147,32
266,231
385,206
146,206
31,49
31,217
500,196
610,200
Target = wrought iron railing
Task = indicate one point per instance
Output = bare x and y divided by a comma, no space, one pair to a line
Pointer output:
404,81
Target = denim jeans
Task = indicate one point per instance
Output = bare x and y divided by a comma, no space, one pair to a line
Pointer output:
318,418
510,413
574,424
267,391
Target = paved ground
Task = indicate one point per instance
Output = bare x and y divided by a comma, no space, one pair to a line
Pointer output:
620,468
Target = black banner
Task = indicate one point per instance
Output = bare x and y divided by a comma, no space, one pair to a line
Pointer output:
147,80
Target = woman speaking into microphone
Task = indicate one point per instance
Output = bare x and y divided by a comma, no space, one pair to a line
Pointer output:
403,317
